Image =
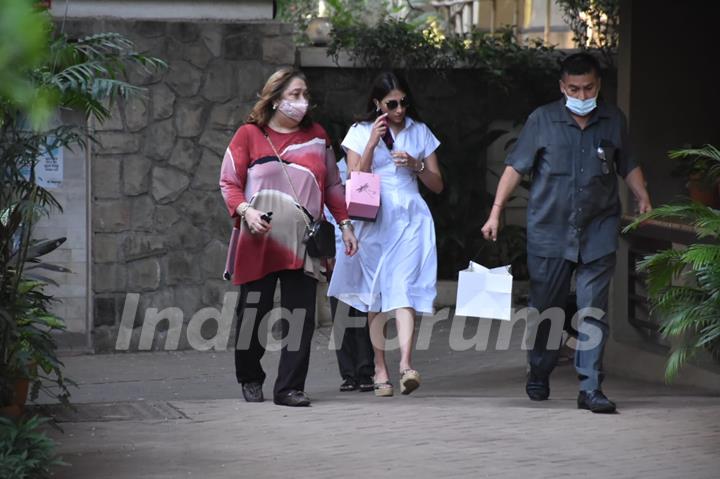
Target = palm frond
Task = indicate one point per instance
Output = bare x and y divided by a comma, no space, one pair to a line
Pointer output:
682,316
79,76
676,298
699,256
87,71
101,44
709,334
148,62
109,88
84,101
689,311
706,159
114,46
678,358
705,219
707,151
708,278
661,268
689,319
674,326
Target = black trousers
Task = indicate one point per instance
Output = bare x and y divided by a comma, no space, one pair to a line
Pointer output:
355,356
297,298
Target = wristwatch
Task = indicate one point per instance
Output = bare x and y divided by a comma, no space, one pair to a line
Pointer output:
242,209
346,224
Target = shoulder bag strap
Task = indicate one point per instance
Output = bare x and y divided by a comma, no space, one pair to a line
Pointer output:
287,175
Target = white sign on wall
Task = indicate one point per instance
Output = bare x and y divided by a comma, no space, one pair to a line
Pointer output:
49,169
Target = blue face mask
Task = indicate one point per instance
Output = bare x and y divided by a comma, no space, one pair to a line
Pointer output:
580,107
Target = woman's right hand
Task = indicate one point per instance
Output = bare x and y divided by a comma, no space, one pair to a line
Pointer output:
379,128
255,223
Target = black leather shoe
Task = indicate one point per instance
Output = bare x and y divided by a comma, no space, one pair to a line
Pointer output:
293,399
252,392
348,385
366,384
595,401
537,387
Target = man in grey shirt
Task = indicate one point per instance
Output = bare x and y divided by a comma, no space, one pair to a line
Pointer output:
572,149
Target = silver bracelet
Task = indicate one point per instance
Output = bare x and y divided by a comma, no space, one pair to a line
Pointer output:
346,224
422,167
243,209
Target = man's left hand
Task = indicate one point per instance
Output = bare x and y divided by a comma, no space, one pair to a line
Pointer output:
636,181
644,205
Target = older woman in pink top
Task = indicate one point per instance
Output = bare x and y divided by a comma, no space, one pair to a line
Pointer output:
253,184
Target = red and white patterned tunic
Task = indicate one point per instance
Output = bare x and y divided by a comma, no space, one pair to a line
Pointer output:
251,172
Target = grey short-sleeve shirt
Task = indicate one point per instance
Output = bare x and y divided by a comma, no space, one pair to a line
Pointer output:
574,208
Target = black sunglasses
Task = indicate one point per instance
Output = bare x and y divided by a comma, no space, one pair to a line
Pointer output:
392,104
601,156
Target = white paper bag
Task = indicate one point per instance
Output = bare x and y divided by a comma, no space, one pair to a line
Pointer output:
484,293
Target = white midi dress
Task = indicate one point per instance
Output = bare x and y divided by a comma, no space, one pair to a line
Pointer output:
396,263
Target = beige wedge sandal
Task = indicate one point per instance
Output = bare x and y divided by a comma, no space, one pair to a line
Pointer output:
383,389
409,381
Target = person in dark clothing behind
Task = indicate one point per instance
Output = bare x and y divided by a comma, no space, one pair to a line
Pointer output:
355,356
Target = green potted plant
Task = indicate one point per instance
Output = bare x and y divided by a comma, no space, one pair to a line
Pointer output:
26,451
697,165
39,76
684,285
31,363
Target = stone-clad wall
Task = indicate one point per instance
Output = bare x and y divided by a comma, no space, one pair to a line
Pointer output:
159,225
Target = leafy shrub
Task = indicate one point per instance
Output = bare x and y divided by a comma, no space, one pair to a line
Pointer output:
25,451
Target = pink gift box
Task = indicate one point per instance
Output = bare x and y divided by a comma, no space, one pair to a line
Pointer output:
362,195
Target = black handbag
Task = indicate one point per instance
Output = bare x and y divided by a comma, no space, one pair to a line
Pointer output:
319,237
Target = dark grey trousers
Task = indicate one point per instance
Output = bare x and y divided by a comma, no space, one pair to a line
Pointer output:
549,288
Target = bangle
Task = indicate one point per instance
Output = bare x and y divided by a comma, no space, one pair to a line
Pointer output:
242,209
422,167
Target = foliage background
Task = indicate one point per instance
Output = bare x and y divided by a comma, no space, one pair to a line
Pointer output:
684,284
461,84
459,106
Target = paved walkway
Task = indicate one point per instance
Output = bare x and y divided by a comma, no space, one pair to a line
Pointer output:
176,415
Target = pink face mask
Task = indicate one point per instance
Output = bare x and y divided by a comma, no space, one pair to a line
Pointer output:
293,109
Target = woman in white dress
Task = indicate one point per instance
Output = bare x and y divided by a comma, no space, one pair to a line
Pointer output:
395,268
